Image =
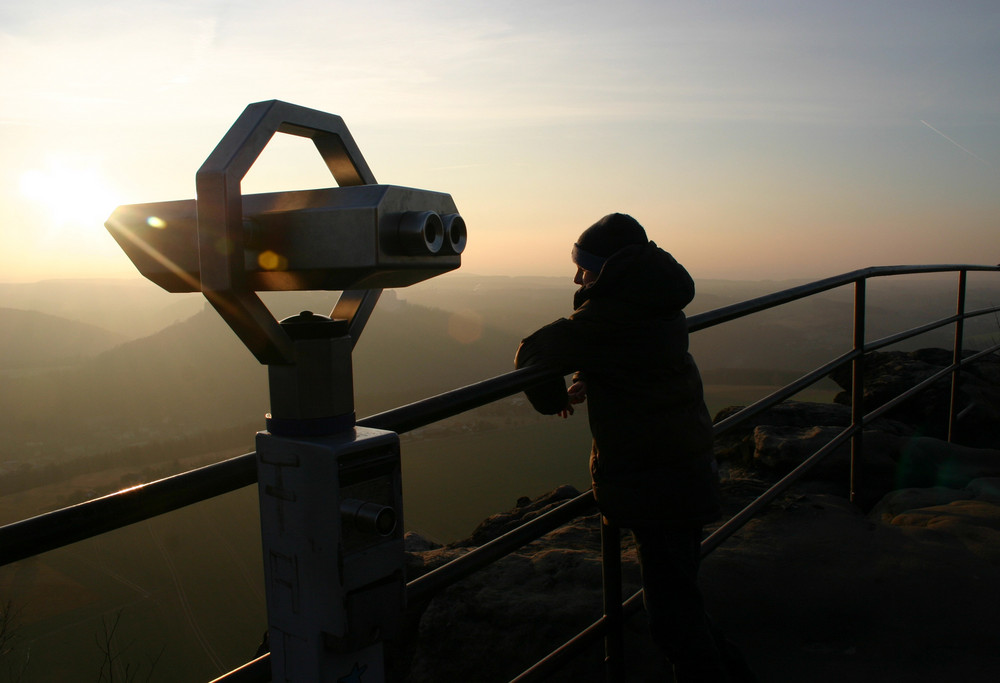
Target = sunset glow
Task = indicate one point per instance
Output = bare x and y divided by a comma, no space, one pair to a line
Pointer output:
776,140
75,196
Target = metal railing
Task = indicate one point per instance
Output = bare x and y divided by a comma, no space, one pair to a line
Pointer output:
68,525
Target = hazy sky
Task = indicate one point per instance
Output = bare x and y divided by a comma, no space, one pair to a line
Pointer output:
758,140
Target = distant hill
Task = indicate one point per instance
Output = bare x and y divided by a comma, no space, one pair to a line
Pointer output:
133,308
193,375
197,376
30,339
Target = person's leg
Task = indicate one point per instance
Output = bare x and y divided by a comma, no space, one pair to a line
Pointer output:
668,559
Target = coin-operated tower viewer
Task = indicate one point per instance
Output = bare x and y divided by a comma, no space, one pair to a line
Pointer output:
330,491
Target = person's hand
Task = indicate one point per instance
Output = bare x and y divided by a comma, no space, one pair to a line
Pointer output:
576,394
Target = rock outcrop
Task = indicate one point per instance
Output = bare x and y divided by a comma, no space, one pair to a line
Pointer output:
888,374
904,448
900,587
496,623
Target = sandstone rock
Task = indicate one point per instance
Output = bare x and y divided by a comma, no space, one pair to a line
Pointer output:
525,510
971,515
897,502
811,590
501,620
975,523
925,462
795,413
901,452
890,373
783,448
738,445
779,450
815,591
423,556
414,543
987,488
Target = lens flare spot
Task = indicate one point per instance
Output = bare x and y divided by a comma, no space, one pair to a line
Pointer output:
465,326
269,260
156,222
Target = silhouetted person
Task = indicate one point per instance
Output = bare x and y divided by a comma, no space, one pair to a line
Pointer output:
651,461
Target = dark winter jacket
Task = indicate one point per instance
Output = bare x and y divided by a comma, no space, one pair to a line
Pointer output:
651,459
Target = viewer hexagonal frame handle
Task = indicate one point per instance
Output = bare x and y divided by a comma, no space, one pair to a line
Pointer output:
220,217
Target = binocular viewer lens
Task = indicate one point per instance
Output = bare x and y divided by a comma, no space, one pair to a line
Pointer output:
455,234
425,232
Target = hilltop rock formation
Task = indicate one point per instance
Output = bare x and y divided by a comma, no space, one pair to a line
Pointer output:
900,587
904,448
888,374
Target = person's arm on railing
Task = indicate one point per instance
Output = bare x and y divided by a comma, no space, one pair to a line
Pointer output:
549,396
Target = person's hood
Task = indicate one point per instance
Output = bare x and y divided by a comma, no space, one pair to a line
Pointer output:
644,276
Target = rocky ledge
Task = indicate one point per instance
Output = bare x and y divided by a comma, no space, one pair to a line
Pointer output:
900,585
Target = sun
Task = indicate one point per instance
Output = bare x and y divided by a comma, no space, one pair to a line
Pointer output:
73,193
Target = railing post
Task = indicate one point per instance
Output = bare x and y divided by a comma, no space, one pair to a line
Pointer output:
857,383
957,353
611,563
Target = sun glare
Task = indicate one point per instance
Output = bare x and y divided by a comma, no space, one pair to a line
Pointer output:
74,195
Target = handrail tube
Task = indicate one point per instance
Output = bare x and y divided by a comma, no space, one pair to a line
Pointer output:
923,384
724,314
738,310
908,334
38,534
611,589
968,360
957,351
436,580
50,530
916,331
915,389
551,663
981,311
254,671
734,523
780,395
54,529
857,384
429,410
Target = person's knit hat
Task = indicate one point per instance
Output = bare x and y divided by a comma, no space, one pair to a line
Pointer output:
607,236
